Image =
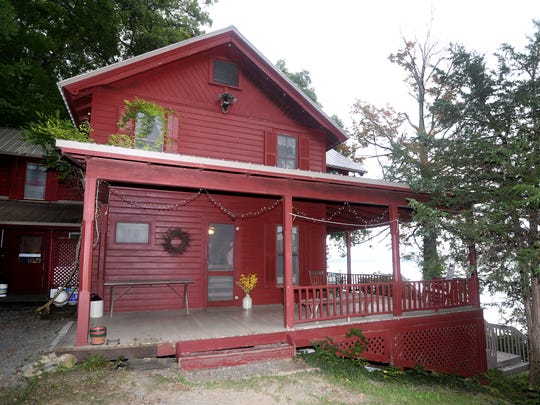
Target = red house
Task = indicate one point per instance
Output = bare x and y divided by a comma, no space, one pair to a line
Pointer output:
40,221
242,188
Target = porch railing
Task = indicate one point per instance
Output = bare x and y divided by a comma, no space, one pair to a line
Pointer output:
507,339
340,300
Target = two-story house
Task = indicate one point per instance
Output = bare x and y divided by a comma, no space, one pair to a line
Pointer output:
240,188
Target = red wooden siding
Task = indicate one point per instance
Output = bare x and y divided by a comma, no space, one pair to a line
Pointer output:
252,250
5,175
202,129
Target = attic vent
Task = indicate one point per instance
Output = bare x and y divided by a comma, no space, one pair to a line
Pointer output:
225,73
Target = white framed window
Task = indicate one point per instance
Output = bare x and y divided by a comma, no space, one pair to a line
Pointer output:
280,259
131,232
35,182
287,152
148,133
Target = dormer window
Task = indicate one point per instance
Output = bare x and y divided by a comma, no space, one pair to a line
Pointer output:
225,73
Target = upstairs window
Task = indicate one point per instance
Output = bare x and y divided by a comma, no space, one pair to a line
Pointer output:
148,132
287,152
35,182
225,73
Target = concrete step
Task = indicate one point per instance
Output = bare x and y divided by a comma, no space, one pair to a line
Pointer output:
234,357
507,359
514,368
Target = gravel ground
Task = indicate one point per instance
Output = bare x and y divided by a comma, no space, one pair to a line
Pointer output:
24,336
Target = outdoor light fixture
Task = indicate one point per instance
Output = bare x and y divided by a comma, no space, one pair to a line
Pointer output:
225,101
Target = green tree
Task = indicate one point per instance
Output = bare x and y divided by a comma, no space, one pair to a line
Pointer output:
401,142
490,173
44,41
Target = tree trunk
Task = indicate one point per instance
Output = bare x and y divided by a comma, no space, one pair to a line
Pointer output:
431,266
532,313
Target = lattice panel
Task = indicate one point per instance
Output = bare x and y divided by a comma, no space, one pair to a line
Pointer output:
375,344
445,348
64,261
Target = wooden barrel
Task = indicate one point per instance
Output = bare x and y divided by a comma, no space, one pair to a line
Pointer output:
98,334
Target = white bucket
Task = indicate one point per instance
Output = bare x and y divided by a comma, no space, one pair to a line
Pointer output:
3,290
96,309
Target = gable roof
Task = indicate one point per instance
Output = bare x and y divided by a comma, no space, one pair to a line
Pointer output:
336,160
12,143
77,91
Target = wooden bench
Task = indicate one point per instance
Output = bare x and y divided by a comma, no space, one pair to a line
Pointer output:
132,283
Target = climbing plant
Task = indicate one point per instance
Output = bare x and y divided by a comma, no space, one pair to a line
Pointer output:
144,125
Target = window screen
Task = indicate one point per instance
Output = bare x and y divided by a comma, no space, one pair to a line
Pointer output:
226,73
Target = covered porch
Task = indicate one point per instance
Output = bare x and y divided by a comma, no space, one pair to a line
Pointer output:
403,321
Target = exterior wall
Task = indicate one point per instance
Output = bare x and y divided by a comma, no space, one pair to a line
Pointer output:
12,177
50,272
255,246
200,128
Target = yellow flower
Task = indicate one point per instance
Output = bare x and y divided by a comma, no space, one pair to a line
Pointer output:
247,282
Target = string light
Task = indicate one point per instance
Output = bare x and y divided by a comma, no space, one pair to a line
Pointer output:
245,215
156,206
360,219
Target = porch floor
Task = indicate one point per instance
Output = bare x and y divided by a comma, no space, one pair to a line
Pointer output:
162,327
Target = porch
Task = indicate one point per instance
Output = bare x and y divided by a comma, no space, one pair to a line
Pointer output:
439,335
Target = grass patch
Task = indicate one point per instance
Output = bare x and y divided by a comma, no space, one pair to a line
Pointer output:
389,385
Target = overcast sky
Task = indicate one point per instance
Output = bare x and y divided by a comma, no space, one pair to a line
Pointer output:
345,44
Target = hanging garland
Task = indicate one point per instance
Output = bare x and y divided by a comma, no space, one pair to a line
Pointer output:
175,241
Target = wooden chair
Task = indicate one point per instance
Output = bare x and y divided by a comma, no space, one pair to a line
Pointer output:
317,277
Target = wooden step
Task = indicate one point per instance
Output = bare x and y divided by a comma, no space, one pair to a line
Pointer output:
234,357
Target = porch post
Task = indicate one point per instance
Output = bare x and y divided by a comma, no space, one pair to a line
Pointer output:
397,283
288,293
85,262
349,266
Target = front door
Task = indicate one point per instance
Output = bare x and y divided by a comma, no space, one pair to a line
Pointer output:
220,264
25,260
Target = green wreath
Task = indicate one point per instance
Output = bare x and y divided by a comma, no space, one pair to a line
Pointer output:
175,241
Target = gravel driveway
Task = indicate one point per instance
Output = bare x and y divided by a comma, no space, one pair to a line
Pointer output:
24,336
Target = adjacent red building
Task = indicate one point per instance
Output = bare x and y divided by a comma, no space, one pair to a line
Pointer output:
241,187
40,220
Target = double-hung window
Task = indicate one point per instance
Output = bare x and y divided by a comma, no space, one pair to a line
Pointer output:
148,133
287,152
35,182
280,255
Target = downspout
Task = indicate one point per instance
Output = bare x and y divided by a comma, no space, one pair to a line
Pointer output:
288,293
397,283
85,277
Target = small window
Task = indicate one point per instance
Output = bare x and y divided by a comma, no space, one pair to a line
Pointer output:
35,182
30,249
152,139
287,152
130,232
225,73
